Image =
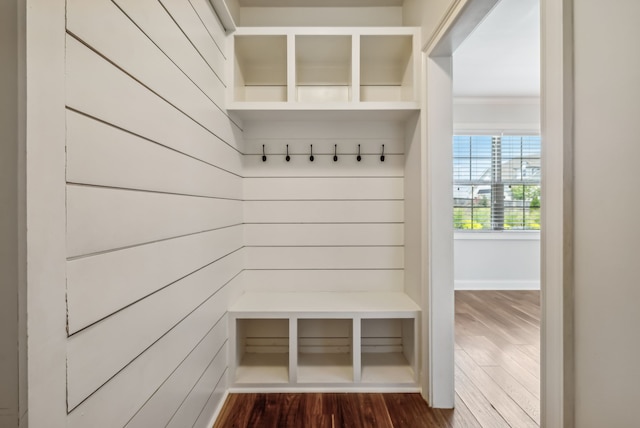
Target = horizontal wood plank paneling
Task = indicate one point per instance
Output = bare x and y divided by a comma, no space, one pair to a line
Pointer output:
324,188
327,280
323,211
130,388
197,399
103,155
322,166
214,403
114,97
102,219
97,286
183,40
378,131
95,354
306,235
190,23
346,147
324,258
209,19
197,372
154,212
102,25
324,225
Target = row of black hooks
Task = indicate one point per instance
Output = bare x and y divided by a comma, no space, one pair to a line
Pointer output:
312,157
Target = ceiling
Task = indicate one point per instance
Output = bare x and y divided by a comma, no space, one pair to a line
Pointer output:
501,58
319,3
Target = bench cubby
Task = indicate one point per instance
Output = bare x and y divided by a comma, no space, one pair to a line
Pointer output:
324,340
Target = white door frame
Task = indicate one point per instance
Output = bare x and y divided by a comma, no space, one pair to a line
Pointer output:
556,236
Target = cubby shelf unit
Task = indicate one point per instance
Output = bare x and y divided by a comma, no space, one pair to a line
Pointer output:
319,69
339,341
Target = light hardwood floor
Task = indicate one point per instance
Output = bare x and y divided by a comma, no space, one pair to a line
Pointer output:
497,360
497,356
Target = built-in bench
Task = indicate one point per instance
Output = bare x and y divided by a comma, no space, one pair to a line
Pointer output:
324,340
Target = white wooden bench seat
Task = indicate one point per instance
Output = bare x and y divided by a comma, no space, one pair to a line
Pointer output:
324,341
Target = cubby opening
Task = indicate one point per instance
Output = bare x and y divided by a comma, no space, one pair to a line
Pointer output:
323,68
260,68
325,350
386,68
262,351
387,350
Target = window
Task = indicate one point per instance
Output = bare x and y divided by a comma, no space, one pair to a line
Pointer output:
496,182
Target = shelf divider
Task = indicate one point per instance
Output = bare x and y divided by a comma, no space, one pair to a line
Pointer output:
291,68
355,70
356,349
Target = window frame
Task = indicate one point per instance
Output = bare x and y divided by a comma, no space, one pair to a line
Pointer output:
473,184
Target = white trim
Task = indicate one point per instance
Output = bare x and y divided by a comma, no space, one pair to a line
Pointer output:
557,213
516,129
532,235
438,299
219,408
326,388
224,15
496,100
440,231
46,212
497,285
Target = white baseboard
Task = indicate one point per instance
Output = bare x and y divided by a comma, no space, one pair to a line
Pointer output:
215,415
496,285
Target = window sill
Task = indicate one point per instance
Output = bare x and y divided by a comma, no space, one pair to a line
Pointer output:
525,235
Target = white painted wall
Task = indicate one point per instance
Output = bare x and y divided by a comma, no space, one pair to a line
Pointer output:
483,115
497,261
607,64
153,212
320,16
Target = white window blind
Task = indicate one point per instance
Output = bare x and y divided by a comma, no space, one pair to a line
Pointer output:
496,182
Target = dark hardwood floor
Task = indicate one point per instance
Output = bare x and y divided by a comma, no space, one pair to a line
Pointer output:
497,379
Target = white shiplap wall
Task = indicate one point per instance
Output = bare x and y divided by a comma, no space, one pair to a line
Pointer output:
324,225
154,213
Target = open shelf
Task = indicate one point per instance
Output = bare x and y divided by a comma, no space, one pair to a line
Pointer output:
356,72
328,340
386,68
260,73
323,68
387,347
262,351
263,368
325,350
388,367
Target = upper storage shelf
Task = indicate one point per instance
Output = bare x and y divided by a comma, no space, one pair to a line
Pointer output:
362,69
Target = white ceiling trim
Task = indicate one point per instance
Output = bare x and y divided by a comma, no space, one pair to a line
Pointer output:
320,3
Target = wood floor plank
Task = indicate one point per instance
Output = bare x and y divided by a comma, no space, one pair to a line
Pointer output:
487,416
499,399
518,393
462,417
410,410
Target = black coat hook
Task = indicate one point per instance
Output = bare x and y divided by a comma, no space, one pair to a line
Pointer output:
264,156
335,153
288,158
382,155
359,158
311,156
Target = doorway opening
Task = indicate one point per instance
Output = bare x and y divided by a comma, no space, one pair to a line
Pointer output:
556,353
496,216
